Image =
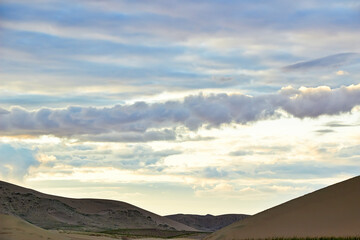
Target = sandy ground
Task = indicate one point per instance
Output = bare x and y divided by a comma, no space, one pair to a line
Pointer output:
13,228
164,239
330,212
86,237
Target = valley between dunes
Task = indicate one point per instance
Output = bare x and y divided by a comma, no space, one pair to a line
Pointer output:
25,214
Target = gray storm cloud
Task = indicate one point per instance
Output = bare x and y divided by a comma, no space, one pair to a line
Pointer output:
146,122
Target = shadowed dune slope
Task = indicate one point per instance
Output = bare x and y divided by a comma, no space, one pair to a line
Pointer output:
53,212
13,228
208,223
331,211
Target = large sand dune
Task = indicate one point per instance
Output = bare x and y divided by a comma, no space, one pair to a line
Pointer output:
53,212
331,211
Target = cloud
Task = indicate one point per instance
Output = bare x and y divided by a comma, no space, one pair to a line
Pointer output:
283,169
261,150
34,100
148,136
111,43
143,157
348,152
142,121
61,31
332,61
314,102
337,124
213,172
15,162
303,169
129,157
241,153
324,131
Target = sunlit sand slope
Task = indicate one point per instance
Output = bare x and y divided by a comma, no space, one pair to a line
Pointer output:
331,211
13,228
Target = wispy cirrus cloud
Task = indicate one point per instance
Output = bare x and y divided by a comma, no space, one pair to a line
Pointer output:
329,62
173,45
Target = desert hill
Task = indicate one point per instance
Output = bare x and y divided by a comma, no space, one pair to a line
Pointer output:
333,211
207,223
53,212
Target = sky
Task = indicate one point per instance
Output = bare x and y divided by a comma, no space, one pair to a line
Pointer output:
202,107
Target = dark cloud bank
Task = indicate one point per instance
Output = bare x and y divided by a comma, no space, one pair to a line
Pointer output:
146,122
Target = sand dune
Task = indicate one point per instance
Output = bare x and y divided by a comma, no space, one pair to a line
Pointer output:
331,211
53,212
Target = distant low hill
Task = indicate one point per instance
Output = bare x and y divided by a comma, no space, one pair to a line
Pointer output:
333,211
208,223
53,212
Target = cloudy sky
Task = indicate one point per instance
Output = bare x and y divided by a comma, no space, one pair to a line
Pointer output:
180,106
